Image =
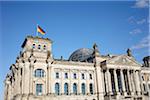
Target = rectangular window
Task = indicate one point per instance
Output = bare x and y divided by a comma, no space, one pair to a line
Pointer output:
91,76
66,75
83,77
91,88
21,72
75,76
38,89
57,75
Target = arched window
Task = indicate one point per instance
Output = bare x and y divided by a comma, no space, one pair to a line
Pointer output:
83,88
39,73
33,46
75,88
57,89
91,88
66,88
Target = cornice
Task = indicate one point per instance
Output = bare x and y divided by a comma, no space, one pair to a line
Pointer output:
74,63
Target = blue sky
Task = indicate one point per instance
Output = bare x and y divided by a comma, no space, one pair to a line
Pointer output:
113,25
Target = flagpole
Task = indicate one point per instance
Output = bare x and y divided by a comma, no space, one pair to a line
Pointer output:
36,29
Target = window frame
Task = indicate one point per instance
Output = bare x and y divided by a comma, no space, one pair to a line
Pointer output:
90,76
91,88
83,88
44,47
66,89
66,75
57,88
74,76
57,75
75,88
39,46
39,73
83,76
33,46
39,89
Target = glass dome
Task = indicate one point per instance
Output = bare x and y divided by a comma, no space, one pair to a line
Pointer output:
83,54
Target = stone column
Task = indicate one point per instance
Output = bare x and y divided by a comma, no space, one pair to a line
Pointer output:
129,80
132,83
106,82
146,86
109,81
141,82
148,91
103,82
116,81
123,82
137,83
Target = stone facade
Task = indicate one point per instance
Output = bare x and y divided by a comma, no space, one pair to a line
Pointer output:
145,77
87,75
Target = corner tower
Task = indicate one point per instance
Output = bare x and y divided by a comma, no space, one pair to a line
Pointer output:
33,63
39,47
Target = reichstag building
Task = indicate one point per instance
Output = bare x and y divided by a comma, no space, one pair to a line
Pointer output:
85,75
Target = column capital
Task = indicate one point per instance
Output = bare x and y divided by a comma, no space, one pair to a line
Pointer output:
122,69
114,69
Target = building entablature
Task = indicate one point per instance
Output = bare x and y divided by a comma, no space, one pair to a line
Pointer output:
145,70
121,62
73,63
74,70
121,67
72,67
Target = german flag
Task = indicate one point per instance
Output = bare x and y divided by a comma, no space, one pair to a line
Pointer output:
40,30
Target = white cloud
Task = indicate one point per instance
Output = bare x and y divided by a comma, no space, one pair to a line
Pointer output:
133,20
144,43
135,31
142,21
141,4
